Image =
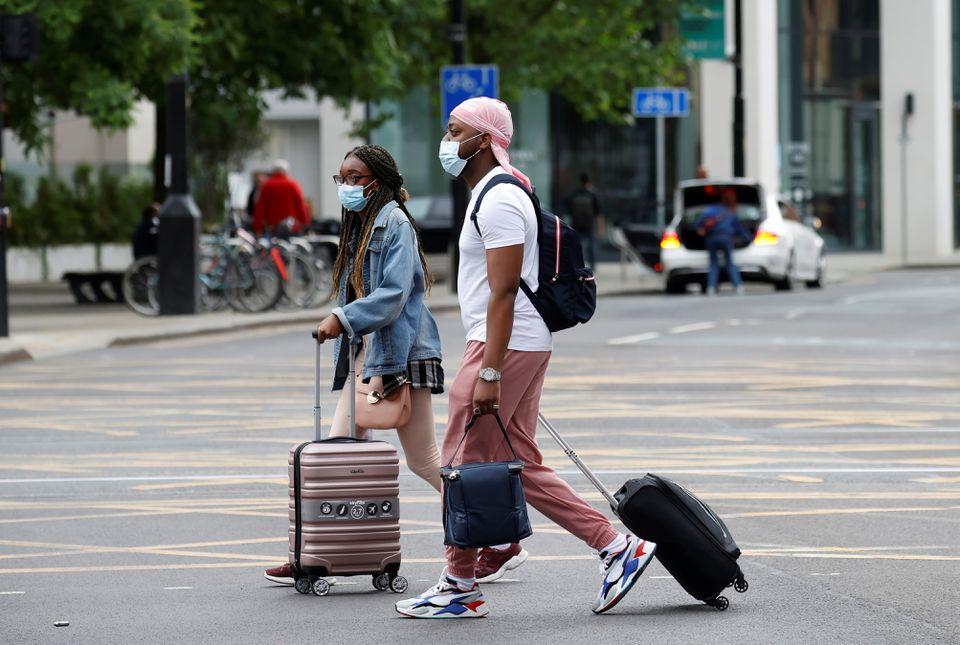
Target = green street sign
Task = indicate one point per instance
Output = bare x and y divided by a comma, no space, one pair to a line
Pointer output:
703,29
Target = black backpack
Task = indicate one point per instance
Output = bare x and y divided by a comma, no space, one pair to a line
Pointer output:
567,292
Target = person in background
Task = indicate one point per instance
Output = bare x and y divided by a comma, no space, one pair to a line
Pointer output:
256,180
145,235
719,225
701,172
587,220
280,199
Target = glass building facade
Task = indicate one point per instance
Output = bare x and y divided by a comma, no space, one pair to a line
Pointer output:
829,98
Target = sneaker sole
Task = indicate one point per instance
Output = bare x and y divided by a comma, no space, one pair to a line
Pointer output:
509,565
626,590
286,582
466,615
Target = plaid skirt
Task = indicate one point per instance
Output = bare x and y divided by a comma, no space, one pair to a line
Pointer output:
424,374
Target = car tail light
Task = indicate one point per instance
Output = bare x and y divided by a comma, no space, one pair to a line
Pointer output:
658,267
670,240
765,237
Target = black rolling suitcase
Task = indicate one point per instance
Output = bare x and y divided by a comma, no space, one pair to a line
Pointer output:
693,543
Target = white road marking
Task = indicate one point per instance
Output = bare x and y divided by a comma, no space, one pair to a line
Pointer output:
12,593
661,577
176,588
638,338
684,329
835,573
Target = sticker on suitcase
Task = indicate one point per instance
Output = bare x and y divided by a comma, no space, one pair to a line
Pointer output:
350,509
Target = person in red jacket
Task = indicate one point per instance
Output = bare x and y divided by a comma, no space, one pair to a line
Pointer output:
280,197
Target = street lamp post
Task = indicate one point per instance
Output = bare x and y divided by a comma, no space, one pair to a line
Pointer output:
458,187
18,44
178,258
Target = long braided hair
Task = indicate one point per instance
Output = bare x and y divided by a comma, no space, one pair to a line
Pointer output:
390,188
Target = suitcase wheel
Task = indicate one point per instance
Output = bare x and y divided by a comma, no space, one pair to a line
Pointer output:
720,602
398,584
741,584
321,587
302,585
381,582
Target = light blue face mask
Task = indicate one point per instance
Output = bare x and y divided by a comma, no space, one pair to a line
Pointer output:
352,197
450,156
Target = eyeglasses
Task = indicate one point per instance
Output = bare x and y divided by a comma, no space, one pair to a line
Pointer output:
349,180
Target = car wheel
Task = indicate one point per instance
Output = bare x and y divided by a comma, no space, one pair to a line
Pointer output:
786,282
817,282
675,286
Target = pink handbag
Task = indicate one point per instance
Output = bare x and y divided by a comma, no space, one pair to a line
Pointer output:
377,412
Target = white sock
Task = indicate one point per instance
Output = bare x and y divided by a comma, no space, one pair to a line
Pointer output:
464,584
617,545
502,547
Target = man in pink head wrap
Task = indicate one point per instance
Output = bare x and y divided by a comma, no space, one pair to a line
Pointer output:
508,343
490,116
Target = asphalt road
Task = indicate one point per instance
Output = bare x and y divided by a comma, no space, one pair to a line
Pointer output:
143,489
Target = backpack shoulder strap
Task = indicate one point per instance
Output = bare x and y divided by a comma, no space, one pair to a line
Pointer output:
496,180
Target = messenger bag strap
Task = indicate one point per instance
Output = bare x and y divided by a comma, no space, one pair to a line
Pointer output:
473,422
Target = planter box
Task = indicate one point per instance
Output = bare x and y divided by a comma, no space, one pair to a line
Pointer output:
48,264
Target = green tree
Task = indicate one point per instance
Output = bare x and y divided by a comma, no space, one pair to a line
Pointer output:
591,52
97,57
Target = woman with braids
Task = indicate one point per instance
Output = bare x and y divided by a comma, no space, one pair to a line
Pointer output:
382,279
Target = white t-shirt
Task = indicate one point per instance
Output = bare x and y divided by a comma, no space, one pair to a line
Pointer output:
506,218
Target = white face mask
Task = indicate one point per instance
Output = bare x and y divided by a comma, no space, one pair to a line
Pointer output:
450,156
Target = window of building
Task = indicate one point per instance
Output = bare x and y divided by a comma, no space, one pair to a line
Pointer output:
829,58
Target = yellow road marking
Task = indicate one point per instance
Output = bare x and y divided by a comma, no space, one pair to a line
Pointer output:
801,479
220,482
937,480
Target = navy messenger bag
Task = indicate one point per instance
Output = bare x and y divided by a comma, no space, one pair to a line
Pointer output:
483,502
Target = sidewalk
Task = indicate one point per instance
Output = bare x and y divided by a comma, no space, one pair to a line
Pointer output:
45,322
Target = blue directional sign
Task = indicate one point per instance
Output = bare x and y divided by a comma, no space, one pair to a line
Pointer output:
661,101
461,82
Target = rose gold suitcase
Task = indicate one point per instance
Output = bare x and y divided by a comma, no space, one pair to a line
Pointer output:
344,507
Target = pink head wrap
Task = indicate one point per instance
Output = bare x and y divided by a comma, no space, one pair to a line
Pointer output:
492,117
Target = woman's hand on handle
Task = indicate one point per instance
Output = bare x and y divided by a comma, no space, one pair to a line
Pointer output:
329,328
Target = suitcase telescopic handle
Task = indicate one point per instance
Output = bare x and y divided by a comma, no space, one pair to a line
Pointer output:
575,458
353,391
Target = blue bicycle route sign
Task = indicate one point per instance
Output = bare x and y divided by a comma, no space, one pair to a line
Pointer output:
661,101
461,82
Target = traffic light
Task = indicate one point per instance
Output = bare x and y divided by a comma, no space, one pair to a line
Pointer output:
18,38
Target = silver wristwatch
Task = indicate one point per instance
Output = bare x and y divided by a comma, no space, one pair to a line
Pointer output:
489,375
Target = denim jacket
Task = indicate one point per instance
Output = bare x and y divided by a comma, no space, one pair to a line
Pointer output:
400,327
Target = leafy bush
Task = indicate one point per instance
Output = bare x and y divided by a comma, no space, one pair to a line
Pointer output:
85,211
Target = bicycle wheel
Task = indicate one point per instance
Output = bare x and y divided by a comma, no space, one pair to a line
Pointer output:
140,286
301,284
258,285
212,293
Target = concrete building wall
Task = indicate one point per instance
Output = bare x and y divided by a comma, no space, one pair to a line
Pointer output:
313,136
761,138
916,58
716,117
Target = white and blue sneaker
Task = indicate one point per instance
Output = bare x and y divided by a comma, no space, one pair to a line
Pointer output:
621,570
445,600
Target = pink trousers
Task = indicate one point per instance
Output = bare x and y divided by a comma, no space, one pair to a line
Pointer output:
521,385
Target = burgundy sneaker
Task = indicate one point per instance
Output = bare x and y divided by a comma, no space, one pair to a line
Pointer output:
492,564
282,575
